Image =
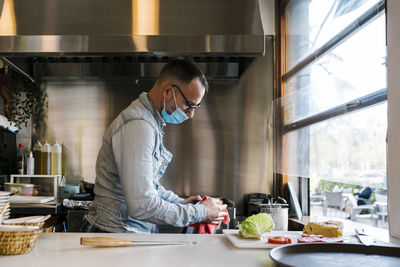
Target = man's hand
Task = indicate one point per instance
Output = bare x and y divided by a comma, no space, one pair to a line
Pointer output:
214,210
191,199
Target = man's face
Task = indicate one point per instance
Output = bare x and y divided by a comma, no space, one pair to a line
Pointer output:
188,96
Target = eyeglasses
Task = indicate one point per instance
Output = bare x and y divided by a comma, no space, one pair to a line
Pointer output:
190,106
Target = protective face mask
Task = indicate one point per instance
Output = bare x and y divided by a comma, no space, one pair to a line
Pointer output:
176,117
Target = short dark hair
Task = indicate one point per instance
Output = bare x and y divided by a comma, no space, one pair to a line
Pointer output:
184,70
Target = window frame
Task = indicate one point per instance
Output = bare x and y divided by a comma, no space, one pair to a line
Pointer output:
282,75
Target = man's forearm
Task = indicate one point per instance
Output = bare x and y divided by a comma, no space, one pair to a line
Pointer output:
168,195
155,210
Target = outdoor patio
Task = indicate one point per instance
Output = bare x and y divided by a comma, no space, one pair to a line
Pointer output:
333,213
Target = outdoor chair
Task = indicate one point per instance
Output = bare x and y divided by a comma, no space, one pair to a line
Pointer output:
381,208
364,197
357,209
334,200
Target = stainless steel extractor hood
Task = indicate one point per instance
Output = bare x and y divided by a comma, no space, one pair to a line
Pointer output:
52,39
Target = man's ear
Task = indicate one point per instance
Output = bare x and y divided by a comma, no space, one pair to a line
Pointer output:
167,91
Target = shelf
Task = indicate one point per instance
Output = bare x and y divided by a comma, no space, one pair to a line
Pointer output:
14,178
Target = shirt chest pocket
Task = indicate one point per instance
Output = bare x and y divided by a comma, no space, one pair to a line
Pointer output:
162,158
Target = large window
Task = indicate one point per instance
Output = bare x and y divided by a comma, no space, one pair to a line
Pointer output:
333,92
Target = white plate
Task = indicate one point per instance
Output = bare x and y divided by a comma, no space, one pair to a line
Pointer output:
29,219
236,240
17,228
4,193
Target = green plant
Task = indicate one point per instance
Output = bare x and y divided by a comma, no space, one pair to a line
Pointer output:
326,185
27,100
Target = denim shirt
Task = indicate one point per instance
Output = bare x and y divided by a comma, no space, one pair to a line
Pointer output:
130,163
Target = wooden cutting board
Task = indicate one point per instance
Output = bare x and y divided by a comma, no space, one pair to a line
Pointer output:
237,241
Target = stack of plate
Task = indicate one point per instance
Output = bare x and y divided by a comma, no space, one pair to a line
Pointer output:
4,199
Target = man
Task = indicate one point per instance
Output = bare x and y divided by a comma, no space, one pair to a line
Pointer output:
132,159
363,196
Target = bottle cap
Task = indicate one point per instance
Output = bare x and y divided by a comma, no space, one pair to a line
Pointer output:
30,154
56,148
37,146
46,147
21,145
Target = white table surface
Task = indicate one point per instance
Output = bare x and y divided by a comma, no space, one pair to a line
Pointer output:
64,249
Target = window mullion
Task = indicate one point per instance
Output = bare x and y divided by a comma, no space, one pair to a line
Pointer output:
356,104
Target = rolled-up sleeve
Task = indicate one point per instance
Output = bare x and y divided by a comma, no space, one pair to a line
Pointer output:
133,146
168,195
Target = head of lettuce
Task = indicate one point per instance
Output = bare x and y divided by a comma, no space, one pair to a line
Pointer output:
256,225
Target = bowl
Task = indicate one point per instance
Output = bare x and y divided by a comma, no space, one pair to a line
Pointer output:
28,221
17,239
67,191
19,188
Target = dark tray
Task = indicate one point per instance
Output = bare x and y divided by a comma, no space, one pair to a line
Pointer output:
335,254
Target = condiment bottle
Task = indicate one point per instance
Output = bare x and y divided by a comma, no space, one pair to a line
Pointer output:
21,159
46,158
56,152
30,164
37,155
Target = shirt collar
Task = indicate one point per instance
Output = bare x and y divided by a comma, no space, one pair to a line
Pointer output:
150,106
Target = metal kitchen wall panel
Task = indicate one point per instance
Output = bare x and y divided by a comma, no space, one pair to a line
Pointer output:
225,150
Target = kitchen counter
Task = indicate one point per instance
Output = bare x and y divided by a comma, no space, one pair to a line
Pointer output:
64,249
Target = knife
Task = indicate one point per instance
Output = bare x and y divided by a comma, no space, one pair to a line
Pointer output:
363,237
121,242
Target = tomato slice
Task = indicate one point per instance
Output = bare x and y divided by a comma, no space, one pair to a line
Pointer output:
279,239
